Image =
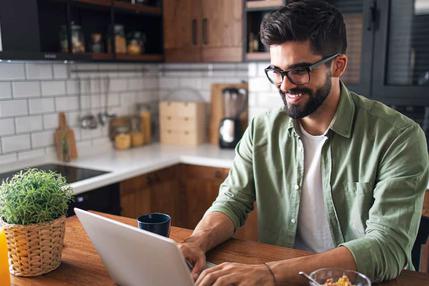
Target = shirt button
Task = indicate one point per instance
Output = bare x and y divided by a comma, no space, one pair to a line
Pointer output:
293,220
297,187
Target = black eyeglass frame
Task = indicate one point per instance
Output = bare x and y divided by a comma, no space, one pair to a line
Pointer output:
309,68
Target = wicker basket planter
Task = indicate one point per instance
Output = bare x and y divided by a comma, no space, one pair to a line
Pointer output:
35,249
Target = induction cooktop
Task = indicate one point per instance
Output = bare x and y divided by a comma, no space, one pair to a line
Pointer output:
72,174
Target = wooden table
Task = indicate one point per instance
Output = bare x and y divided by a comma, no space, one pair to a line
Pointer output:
81,264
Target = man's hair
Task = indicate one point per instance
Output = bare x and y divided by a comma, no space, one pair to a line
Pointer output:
317,21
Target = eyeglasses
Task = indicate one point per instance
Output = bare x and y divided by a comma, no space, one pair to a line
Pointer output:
298,75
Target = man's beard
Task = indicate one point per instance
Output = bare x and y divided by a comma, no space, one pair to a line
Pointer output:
315,99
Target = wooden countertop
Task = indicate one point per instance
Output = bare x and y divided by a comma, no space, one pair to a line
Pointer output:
81,264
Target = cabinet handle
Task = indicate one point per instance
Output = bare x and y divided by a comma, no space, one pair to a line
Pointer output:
205,32
194,31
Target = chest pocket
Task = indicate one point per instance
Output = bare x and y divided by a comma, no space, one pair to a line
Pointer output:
358,199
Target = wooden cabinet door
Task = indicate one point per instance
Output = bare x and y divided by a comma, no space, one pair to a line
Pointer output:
222,30
182,40
153,192
199,187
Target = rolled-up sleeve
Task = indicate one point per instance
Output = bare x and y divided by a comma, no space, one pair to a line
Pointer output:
394,217
237,192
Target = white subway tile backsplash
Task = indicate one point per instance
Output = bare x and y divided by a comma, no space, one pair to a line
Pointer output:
50,121
60,71
168,83
12,71
90,133
72,118
66,103
72,86
34,120
38,71
5,90
193,83
42,139
260,84
150,82
22,89
146,96
41,105
53,88
10,108
7,126
118,84
28,124
15,143
37,153
113,99
135,83
261,69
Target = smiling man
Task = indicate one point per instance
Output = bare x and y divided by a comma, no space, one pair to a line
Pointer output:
331,172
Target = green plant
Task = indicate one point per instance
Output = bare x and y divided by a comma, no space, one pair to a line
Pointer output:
34,196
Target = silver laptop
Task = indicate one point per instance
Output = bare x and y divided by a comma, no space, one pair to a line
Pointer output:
134,256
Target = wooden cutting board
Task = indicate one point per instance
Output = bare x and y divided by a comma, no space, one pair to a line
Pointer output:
65,142
217,109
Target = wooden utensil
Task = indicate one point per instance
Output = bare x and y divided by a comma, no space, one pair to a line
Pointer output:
65,142
217,111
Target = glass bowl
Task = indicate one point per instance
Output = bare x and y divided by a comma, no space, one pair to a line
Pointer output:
356,278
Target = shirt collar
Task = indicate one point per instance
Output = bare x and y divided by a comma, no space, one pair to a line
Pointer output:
345,111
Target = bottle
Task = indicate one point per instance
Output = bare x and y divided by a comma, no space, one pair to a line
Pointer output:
4,264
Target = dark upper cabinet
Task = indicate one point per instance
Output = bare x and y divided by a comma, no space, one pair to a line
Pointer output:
80,30
19,26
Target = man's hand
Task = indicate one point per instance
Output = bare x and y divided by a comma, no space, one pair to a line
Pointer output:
236,274
195,255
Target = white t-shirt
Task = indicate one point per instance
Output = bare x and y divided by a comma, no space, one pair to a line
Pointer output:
313,232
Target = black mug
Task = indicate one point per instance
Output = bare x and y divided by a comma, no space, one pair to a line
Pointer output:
158,223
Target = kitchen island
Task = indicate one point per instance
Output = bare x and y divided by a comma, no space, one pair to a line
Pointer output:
81,264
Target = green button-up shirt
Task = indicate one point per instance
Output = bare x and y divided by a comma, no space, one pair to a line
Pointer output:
374,168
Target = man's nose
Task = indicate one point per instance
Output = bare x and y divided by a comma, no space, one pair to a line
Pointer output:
286,84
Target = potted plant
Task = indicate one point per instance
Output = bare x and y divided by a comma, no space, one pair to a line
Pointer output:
33,204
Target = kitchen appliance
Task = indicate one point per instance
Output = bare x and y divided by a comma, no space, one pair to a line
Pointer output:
103,199
230,127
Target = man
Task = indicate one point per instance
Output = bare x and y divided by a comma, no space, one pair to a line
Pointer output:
331,172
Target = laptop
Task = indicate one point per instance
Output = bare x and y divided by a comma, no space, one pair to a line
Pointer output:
134,256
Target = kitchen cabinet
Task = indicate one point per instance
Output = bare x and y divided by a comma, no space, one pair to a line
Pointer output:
183,191
203,31
105,199
254,13
153,192
67,30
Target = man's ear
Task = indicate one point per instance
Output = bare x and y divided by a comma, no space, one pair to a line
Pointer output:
339,65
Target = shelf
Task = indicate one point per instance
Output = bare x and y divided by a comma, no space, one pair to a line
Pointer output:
142,58
261,56
138,8
263,4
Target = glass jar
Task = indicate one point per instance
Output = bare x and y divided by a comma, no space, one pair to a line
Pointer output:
77,38
120,43
97,43
135,42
